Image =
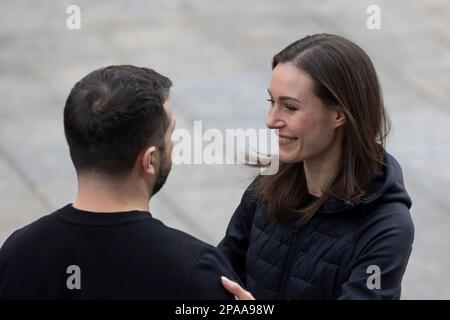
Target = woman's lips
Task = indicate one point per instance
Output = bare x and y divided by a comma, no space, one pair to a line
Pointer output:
284,141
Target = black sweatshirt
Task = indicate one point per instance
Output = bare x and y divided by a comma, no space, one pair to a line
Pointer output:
74,254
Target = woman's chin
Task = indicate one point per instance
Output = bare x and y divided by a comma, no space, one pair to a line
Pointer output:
289,157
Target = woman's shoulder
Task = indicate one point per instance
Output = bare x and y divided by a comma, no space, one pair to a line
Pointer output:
249,198
388,222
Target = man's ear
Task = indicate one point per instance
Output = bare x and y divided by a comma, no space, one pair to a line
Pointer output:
149,160
339,117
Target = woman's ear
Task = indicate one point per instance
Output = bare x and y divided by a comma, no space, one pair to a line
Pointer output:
149,160
339,117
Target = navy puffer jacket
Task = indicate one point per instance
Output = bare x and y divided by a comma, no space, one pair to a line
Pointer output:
346,251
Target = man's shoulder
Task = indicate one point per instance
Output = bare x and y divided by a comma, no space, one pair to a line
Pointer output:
31,231
180,239
198,264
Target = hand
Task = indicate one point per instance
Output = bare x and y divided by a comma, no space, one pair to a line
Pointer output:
235,289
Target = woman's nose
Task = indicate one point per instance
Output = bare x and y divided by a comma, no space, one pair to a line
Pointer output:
274,121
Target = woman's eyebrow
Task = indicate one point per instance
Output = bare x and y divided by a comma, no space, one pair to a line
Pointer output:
285,97
289,98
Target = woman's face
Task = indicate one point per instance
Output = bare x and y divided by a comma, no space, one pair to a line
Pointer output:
306,127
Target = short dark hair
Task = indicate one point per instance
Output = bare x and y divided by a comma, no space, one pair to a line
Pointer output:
112,114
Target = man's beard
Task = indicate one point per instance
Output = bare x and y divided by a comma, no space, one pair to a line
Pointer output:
163,173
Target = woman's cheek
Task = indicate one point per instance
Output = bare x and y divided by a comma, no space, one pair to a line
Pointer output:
306,126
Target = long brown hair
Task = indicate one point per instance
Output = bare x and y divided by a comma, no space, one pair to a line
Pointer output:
343,76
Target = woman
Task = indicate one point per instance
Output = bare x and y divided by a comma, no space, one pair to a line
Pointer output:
334,222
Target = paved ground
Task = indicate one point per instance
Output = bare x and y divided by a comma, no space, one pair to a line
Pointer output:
218,55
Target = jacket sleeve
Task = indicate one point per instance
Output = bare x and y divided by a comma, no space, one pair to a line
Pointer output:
204,281
383,250
236,241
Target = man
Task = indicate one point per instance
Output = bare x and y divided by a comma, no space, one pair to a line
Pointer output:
106,245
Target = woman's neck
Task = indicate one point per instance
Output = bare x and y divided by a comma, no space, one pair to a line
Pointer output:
320,171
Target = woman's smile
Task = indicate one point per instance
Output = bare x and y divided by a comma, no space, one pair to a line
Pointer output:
284,141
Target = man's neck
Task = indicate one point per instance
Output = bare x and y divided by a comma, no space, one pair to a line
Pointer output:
100,195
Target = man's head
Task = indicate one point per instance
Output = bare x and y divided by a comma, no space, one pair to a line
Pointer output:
118,121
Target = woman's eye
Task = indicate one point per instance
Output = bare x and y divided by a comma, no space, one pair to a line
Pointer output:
271,101
290,108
